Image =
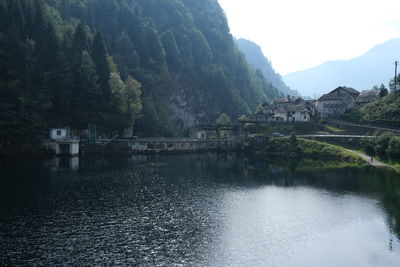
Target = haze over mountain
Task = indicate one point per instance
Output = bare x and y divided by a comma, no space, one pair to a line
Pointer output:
256,57
362,73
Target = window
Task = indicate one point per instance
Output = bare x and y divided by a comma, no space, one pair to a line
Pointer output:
58,132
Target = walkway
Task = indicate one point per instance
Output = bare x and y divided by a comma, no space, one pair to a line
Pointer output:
368,159
334,136
367,126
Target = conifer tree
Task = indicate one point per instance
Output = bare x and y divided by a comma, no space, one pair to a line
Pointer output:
172,52
99,56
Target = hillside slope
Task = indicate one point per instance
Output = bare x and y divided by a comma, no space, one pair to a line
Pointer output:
255,57
384,110
362,73
74,62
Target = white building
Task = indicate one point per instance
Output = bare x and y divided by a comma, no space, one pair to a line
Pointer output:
62,142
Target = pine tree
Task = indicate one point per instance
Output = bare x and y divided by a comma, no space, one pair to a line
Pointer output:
173,55
156,51
99,56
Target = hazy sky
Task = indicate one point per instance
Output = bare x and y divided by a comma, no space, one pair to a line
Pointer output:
299,34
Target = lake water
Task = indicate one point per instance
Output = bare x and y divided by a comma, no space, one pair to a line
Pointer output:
197,210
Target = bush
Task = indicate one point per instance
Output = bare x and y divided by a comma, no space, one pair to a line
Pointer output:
386,146
393,150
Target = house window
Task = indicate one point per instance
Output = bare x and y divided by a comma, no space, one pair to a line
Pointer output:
305,117
58,132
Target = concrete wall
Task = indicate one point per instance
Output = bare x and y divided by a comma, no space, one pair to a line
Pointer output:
73,147
298,117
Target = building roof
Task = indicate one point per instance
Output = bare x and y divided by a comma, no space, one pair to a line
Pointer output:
296,108
331,97
288,99
368,95
339,94
347,89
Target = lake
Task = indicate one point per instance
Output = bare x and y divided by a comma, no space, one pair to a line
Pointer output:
197,210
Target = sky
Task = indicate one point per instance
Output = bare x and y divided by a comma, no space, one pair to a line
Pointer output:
299,34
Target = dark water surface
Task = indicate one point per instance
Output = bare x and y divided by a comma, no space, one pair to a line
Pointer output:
203,210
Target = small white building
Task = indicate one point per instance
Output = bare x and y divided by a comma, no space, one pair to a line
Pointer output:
201,135
58,133
62,142
297,113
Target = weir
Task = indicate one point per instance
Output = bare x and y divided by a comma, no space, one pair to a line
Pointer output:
172,145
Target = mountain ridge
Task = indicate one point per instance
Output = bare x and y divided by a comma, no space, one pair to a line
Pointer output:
362,72
256,57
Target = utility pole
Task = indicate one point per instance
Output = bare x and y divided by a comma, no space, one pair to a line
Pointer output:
395,75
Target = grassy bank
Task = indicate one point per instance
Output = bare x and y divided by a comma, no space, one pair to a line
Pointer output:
299,148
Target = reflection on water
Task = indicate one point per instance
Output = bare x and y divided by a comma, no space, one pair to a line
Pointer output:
62,163
208,210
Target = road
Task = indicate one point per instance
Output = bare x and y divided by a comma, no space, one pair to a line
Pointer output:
368,126
334,136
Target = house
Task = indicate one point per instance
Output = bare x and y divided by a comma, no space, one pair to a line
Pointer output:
288,101
336,102
290,109
293,113
368,96
61,142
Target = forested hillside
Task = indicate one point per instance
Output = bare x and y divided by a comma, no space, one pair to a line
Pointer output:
163,64
255,57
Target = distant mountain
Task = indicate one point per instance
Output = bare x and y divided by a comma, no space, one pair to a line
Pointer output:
362,73
255,57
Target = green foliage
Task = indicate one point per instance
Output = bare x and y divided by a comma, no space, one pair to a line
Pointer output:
352,115
292,147
55,67
299,148
385,109
223,119
392,84
386,146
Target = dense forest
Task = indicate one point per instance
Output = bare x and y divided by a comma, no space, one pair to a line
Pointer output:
159,66
256,57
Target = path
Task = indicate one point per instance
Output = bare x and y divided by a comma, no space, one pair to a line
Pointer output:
368,159
367,126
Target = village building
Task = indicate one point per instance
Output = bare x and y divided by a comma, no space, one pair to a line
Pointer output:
336,102
290,109
368,96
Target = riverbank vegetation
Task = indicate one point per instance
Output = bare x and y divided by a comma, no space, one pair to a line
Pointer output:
299,148
386,147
